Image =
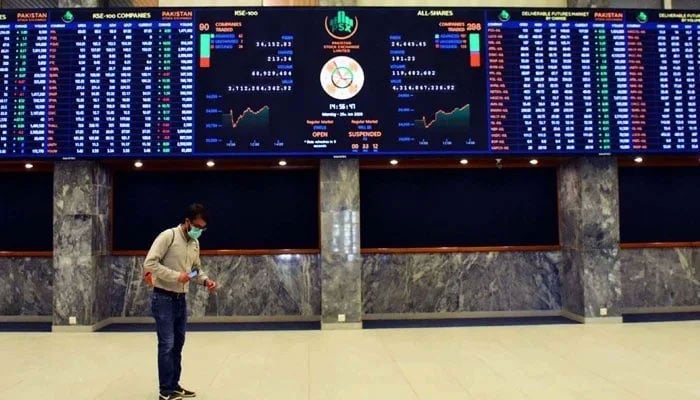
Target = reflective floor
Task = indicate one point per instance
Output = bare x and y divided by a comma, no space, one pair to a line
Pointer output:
583,362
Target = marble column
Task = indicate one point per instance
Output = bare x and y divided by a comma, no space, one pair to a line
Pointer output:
337,3
620,3
588,3
341,263
589,229
81,238
81,209
590,236
78,3
295,3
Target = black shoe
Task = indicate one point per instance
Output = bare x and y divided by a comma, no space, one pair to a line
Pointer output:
171,396
184,393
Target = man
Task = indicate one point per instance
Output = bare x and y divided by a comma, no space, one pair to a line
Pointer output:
168,265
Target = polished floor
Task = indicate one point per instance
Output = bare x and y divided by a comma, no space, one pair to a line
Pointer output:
583,362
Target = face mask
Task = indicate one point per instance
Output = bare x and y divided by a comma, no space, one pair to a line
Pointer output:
194,232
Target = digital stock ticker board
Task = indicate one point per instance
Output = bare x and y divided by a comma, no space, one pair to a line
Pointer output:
227,82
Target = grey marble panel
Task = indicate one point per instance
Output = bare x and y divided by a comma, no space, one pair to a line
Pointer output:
686,4
81,238
78,3
338,3
75,289
340,185
639,4
588,3
248,286
342,292
29,4
570,223
588,204
602,284
128,292
264,285
26,286
457,282
569,187
340,232
572,282
570,203
74,235
660,277
74,269
104,198
407,283
103,299
529,281
590,232
75,191
102,232
599,207
133,3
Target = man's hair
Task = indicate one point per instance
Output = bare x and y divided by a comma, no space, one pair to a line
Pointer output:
196,210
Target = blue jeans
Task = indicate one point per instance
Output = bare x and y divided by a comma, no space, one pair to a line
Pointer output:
170,313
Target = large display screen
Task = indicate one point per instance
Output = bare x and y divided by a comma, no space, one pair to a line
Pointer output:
227,82
334,81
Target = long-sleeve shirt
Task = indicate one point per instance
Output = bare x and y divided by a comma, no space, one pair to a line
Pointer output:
167,261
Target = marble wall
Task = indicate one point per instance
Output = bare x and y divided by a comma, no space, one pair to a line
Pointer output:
461,3
653,278
26,286
282,285
290,285
78,3
337,3
588,3
28,4
637,4
461,282
583,278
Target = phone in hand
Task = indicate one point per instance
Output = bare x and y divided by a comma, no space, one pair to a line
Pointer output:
194,273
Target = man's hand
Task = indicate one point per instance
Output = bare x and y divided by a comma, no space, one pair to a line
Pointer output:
149,278
210,284
184,278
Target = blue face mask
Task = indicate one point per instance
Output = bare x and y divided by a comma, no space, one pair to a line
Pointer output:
195,232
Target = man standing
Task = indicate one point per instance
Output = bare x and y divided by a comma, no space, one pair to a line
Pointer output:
170,264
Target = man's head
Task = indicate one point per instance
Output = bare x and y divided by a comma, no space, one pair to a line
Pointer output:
195,220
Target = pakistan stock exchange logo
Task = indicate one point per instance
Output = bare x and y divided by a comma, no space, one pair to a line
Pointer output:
341,26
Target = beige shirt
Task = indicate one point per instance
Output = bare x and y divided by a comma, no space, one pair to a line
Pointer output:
166,264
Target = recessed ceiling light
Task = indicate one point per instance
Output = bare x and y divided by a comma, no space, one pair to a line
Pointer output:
210,163
534,161
464,161
638,160
282,163
138,164
394,162
28,165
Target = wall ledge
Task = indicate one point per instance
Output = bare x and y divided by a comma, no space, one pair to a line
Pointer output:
462,315
591,320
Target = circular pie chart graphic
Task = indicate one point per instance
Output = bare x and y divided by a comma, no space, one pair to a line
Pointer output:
342,77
